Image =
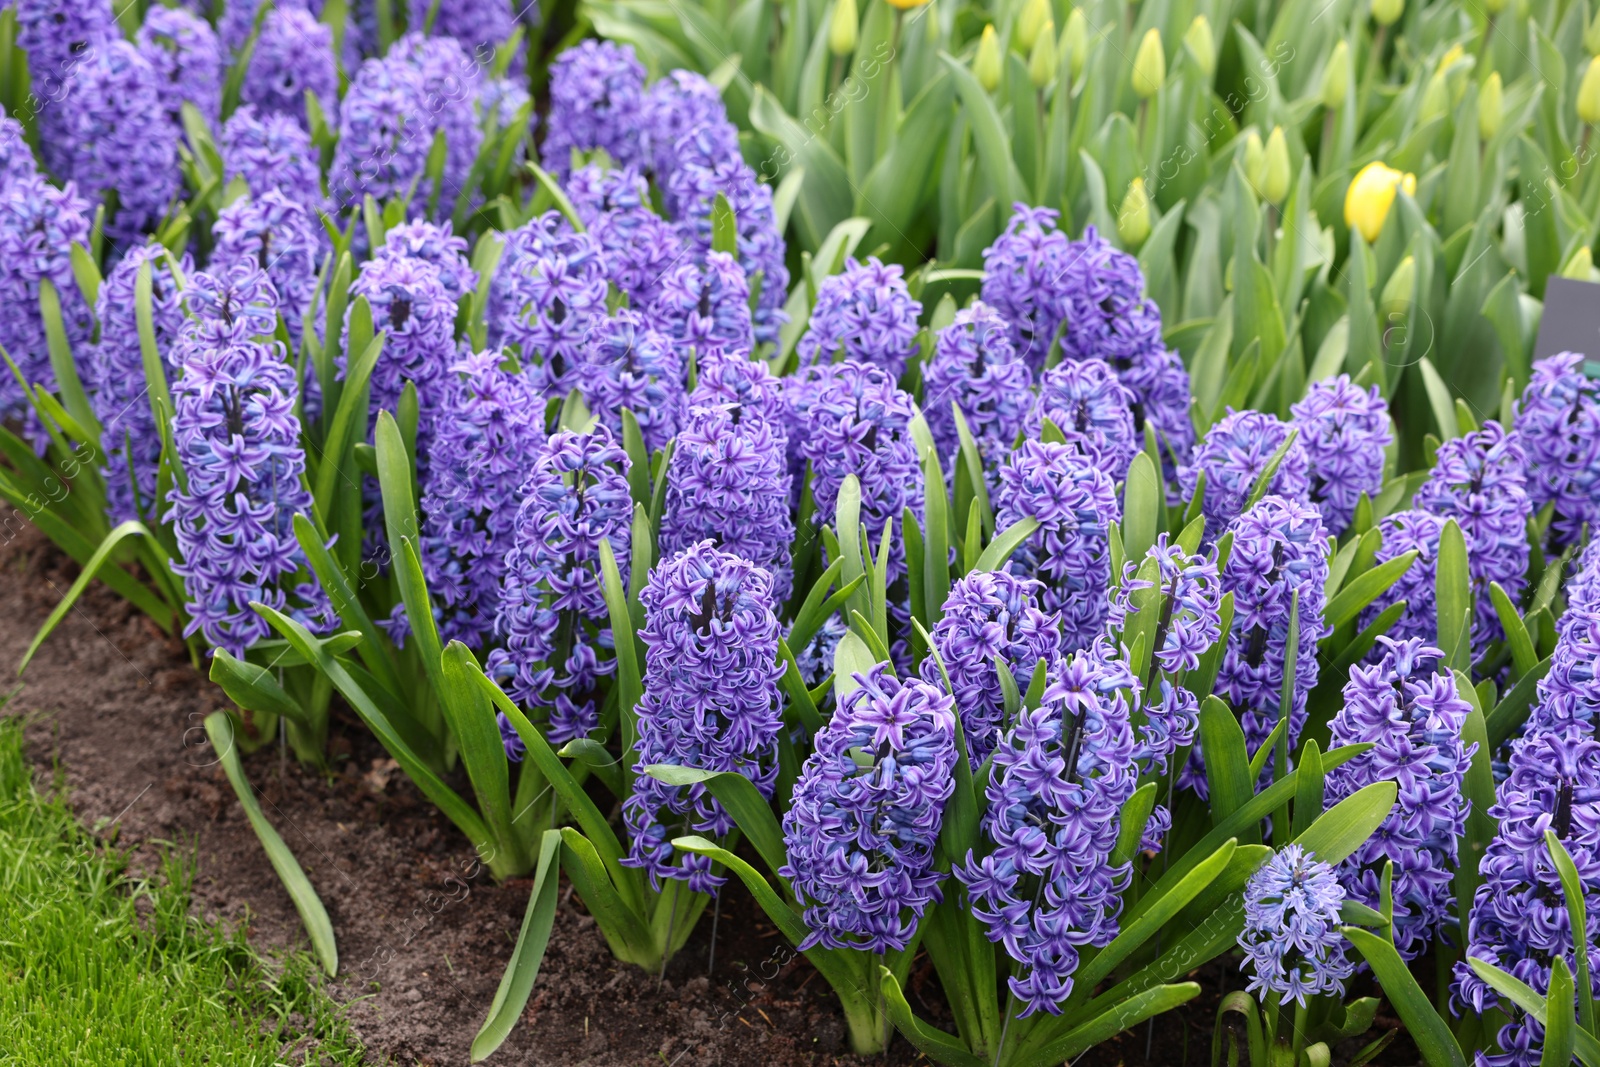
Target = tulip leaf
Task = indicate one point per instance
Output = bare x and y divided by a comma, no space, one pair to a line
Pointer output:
1453,596
522,970
1434,1040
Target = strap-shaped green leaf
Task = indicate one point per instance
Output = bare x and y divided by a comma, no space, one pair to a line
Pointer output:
1227,761
1435,1042
1585,1046
1577,919
124,531
522,970
1365,588
1109,1023
739,797
625,929
929,1040
254,688
1006,542
1453,596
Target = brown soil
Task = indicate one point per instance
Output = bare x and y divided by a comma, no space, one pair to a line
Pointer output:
422,946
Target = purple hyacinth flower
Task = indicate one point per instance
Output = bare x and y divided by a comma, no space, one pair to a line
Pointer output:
1402,532
1025,277
707,304
1092,409
677,104
16,158
293,56
184,52
1293,937
115,379
596,89
385,134
710,702
548,294
1075,503
409,304
728,485
489,425
39,224
59,37
1046,886
974,367
866,314
281,235
989,616
1344,430
1558,423
238,439
1570,693
1480,481
641,248
451,85
1407,705
482,26
433,243
861,831
271,152
628,365
552,600
1233,456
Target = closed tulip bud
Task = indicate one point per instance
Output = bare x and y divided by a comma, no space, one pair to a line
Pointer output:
1133,220
986,64
1490,106
1202,45
1448,60
907,5
1371,195
1435,99
1275,168
1399,289
1336,76
1042,60
1387,12
1494,7
1255,157
1075,41
1591,35
1035,13
1149,66
1589,94
1580,266
842,29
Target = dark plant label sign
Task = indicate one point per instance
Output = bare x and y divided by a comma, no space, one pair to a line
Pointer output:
1571,322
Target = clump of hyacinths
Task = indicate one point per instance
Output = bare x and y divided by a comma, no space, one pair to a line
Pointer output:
1293,938
1344,431
1234,456
863,314
1557,421
975,368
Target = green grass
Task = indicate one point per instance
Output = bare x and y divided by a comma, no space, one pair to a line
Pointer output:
101,968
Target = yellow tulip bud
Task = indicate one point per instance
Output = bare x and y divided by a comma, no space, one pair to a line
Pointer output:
986,64
843,28
1589,94
1447,60
1387,12
1491,106
1435,99
1494,7
1580,266
1133,220
1399,289
1075,41
1591,35
1202,45
907,5
1042,60
1035,13
1371,195
1255,157
1336,76
1275,168
1149,65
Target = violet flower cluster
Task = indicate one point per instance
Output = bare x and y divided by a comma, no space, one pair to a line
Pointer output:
482,26
183,50
58,37
1402,532
975,368
546,297
710,702
1557,421
1344,431
1026,276
552,613
271,152
596,89
238,441
1232,458
865,314
293,56
707,304
1569,694
1293,941
865,818
411,306
1086,402
1047,886
488,431
1479,480
641,248
281,236
115,378
1408,707
990,617
627,364
1075,503
384,137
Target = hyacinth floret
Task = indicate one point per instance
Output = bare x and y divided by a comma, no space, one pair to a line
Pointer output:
974,367
859,422
1520,921
59,37
39,224
707,304
1092,409
866,314
115,379
1026,273
1558,423
726,378
628,365
641,248
1234,455
989,616
1407,705
432,243
547,295
1344,430
1075,503
553,601
489,425
280,235
1480,481
1293,941
184,52
293,56
271,152
16,158
728,485
410,305
1409,531
238,439
1059,778
710,701
596,91
862,829
384,134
